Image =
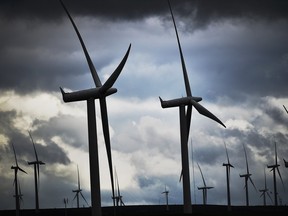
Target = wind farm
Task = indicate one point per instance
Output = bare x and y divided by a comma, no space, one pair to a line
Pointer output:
232,55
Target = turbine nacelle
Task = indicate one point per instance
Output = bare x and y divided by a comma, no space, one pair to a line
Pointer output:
179,101
36,162
86,94
228,164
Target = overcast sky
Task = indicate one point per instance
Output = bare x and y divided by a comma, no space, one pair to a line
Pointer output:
236,56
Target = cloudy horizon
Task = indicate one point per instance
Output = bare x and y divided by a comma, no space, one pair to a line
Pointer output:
236,56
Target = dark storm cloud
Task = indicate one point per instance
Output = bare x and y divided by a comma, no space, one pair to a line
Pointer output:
206,11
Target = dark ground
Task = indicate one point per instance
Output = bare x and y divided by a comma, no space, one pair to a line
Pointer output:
158,210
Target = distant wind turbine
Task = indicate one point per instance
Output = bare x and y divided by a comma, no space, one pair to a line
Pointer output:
273,168
228,165
99,92
118,196
166,193
265,190
247,177
185,121
16,168
36,164
205,188
79,191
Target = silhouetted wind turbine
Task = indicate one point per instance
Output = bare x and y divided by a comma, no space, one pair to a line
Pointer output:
205,188
275,167
247,177
100,92
265,190
118,196
185,121
16,168
166,192
79,191
36,164
228,165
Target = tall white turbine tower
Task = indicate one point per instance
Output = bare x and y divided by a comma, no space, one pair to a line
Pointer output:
185,121
99,92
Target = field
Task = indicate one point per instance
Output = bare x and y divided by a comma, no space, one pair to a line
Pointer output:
157,210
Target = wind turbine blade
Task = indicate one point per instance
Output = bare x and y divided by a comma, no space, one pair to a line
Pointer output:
252,183
75,196
285,162
226,153
14,154
203,111
285,109
280,176
269,196
78,178
186,80
276,163
22,170
84,198
89,61
202,175
181,175
246,159
35,152
188,117
112,79
105,127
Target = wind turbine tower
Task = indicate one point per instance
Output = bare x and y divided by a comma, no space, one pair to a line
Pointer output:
185,121
17,195
205,188
36,165
99,92
247,176
228,165
79,191
273,168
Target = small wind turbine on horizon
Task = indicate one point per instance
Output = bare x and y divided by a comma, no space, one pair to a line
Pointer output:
247,177
205,188
89,95
16,168
228,165
36,165
118,196
265,190
273,168
185,121
166,193
79,190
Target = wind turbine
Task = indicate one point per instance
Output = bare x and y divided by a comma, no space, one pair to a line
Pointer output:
247,177
16,168
265,190
99,92
185,121
36,164
79,191
228,165
273,168
166,192
118,196
204,188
